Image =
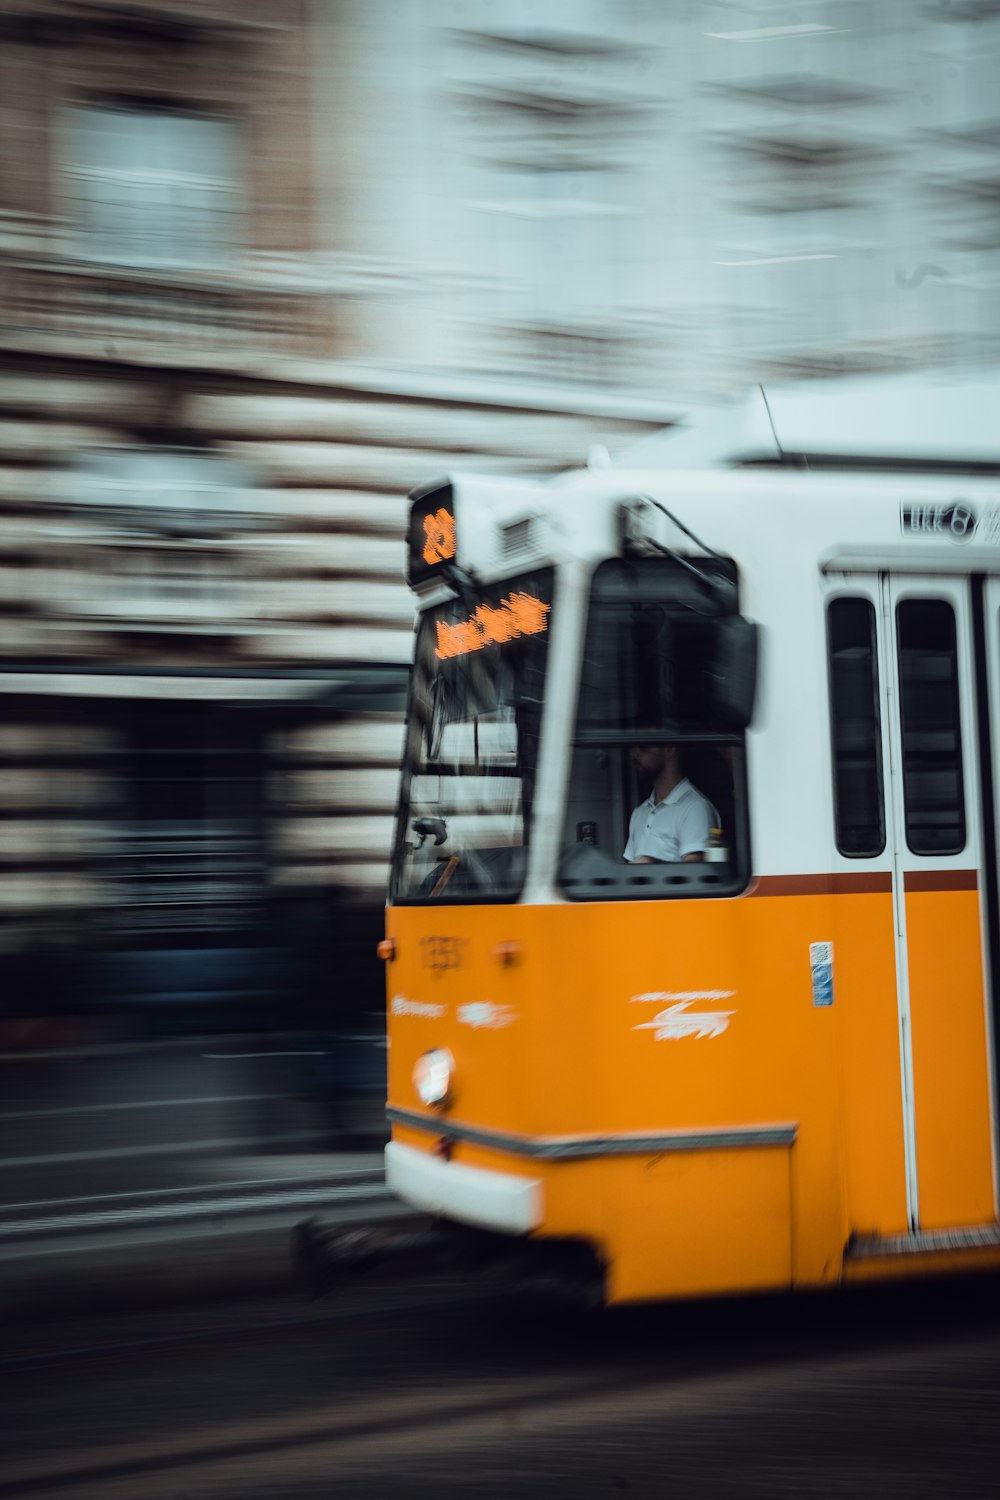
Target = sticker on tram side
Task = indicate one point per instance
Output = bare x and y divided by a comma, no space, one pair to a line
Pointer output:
401,1006
821,966
480,1014
676,1022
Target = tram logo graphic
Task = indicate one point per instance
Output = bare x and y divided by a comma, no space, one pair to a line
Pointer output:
676,1022
481,1014
956,522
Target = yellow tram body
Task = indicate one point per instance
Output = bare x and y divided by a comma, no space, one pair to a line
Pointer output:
677,1081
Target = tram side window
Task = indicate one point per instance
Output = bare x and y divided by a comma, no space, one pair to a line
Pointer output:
933,791
857,743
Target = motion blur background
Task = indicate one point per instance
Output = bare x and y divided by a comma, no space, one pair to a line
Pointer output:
266,264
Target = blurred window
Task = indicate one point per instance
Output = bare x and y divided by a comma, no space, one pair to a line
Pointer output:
797,275
553,239
162,483
965,55
189,850
167,557
757,42
549,22
152,187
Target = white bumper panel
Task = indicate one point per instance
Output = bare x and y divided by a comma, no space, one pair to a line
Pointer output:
489,1200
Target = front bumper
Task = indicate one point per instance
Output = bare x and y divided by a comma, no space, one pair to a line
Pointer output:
468,1195
479,1223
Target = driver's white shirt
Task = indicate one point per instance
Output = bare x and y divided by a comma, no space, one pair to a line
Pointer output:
670,829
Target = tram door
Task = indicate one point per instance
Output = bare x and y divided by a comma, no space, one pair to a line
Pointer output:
941,717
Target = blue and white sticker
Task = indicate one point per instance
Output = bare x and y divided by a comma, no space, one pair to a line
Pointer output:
821,964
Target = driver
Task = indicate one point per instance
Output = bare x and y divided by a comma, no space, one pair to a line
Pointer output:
674,821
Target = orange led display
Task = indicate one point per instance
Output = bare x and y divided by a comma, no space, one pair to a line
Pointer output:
519,614
439,537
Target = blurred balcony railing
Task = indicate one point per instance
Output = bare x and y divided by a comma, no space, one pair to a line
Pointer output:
56,304
592,352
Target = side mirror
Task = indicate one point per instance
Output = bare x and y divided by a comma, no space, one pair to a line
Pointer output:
430,828
733,672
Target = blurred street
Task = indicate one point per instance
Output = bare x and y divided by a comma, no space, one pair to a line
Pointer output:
130,1119
118,1155
426,1388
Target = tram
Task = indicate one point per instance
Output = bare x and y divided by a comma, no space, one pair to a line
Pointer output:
768,1062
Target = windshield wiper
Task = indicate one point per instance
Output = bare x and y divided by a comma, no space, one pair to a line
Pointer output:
724,589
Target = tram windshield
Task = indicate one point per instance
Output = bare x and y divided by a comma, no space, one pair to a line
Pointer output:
472,743
656,803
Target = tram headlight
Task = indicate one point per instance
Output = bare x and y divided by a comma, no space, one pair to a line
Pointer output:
432,1077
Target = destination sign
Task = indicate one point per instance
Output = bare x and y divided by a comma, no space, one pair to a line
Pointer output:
518,615
439,537
432,537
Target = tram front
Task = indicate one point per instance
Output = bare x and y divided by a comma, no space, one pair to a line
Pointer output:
519,939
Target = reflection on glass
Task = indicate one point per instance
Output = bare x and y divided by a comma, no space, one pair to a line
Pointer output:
472,745
651,690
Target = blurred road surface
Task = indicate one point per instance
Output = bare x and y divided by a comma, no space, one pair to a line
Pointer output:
178,1137
421,1388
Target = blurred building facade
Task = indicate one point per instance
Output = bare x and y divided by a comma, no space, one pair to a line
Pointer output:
667,199
203,471
264,266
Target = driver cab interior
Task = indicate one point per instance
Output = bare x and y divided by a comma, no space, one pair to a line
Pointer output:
607,787
656,802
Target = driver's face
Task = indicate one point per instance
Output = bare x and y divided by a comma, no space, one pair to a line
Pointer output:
650,759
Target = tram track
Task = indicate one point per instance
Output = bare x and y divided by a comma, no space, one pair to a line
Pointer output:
670,1407
330,1316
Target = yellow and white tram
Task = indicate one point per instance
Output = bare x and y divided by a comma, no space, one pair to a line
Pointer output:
774,1065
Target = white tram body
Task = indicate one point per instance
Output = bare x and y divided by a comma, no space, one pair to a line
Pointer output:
770,1065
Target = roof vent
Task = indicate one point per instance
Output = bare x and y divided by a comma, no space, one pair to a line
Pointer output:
517,538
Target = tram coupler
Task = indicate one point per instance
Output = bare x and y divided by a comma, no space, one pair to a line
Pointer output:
326,1256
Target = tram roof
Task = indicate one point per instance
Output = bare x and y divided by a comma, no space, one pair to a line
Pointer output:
879,421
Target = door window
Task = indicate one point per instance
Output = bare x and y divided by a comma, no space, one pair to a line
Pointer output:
859,815
933,791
